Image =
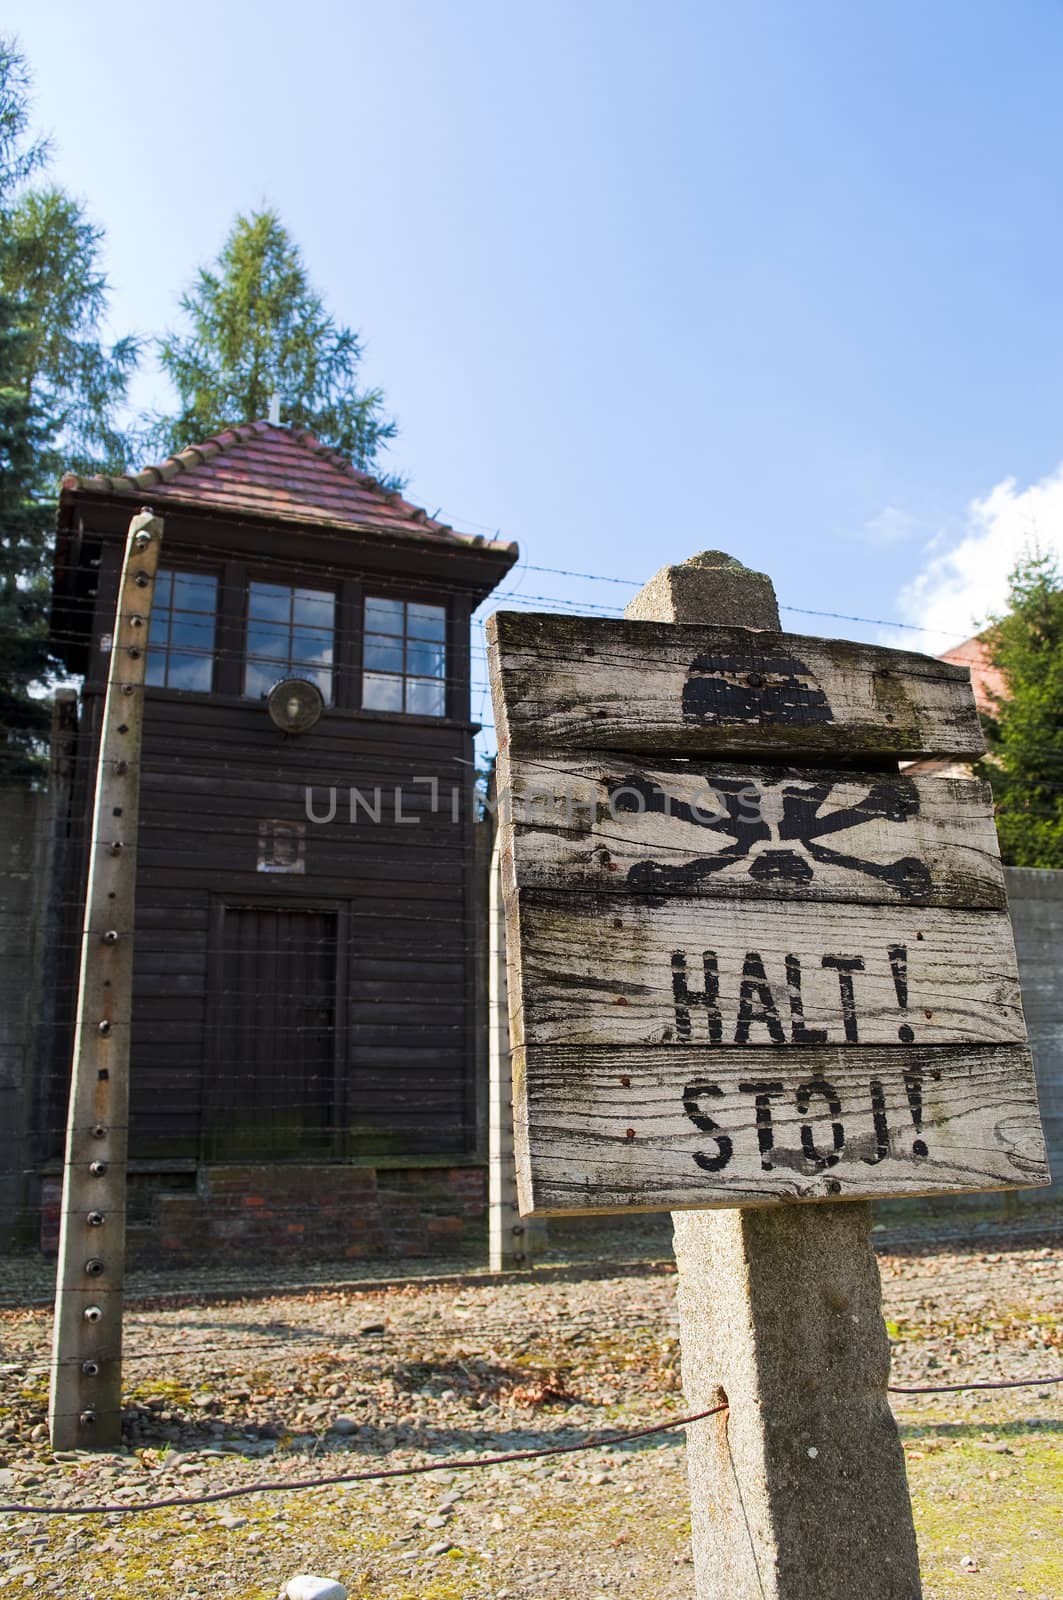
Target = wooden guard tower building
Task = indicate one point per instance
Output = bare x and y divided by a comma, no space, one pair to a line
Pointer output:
304,1068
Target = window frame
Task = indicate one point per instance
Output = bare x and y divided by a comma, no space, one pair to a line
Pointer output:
292,580
191,569
406,597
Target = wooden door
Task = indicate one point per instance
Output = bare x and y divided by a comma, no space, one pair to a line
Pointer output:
271,1084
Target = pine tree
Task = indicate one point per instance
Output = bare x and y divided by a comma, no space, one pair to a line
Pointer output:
1025,731
60,388
257,327
52,267
26,519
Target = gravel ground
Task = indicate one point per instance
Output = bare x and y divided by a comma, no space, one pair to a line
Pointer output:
228,1392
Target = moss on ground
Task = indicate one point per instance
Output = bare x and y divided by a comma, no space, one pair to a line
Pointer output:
1001,1511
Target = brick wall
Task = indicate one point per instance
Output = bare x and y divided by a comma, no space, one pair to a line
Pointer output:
314,1212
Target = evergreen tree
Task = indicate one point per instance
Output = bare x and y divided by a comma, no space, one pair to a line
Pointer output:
52,267
20,156
257,327
1025,731
60,387
25,518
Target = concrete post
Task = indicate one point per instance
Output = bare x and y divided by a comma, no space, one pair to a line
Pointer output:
798,1491
85,1400
512,1240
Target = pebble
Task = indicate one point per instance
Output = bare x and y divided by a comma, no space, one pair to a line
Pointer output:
228,1520
440,1548
435,1521
306,1587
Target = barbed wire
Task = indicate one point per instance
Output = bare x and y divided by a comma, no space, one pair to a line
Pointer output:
452,1464
390,585
467,1463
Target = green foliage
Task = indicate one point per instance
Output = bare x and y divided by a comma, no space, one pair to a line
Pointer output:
1025,731
20,157
60,390
256,326
52,267
24,521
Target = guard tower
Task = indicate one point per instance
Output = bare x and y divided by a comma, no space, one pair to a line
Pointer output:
304,1061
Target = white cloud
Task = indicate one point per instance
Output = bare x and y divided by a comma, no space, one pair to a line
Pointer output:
891,526
961,583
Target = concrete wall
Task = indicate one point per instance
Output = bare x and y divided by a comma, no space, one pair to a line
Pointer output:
33,831
24,849
1036,901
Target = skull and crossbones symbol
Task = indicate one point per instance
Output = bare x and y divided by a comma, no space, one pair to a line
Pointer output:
766,821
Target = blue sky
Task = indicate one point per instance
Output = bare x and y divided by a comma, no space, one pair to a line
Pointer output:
639,280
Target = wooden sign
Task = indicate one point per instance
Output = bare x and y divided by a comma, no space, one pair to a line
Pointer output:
734,982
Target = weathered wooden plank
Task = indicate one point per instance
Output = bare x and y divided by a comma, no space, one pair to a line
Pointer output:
582,683
671,1128
597,822
640,970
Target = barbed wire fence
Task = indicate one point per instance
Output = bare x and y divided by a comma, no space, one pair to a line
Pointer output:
294,1103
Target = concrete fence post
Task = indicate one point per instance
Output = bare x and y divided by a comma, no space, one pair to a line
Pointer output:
84,1405
798,1490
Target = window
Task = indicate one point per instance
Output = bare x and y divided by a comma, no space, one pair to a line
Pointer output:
405,657
290,634
181,639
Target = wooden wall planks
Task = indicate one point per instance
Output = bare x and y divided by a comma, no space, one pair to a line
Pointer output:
580,683
602,823
673,1128
636,970
818,957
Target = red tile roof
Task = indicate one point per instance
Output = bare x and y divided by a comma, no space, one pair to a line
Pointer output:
261,469
987,681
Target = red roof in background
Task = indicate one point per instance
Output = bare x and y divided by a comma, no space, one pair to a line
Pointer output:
986,679
261,469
